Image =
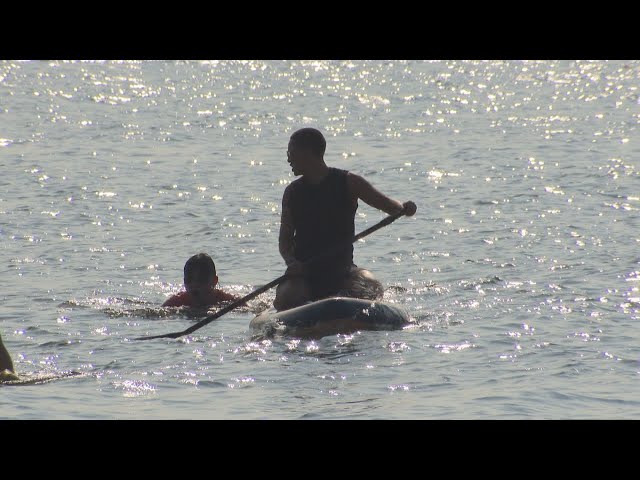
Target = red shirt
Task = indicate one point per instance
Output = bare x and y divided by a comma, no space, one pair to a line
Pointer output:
184,299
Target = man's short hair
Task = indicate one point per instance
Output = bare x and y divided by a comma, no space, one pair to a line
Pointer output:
310,138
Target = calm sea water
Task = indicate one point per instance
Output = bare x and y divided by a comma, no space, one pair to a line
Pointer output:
520,268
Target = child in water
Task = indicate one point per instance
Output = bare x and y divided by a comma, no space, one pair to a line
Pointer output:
200,282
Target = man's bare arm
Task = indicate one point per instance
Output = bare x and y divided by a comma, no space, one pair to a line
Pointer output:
363,190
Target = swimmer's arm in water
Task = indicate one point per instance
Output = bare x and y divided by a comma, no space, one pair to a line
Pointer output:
6,365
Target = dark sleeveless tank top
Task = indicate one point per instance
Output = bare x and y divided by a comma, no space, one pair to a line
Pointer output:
323,216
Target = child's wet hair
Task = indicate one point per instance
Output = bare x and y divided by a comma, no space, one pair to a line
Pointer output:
200,268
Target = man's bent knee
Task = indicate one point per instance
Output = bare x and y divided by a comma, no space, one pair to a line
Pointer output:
291,293
362,283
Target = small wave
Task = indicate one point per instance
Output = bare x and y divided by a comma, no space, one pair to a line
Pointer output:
60,343
38,378
149,312
472,284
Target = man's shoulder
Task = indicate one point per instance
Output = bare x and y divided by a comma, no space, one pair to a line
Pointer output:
294,185
344,175
338,172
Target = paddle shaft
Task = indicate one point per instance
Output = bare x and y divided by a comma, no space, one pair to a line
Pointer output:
382,223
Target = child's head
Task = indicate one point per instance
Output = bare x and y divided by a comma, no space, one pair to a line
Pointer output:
199,275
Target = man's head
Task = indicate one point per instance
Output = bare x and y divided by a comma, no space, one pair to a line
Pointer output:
199,275
306,149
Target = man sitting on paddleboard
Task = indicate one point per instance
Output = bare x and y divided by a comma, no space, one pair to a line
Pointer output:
318,213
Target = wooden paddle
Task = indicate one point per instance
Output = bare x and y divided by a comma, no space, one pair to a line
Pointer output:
273,283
